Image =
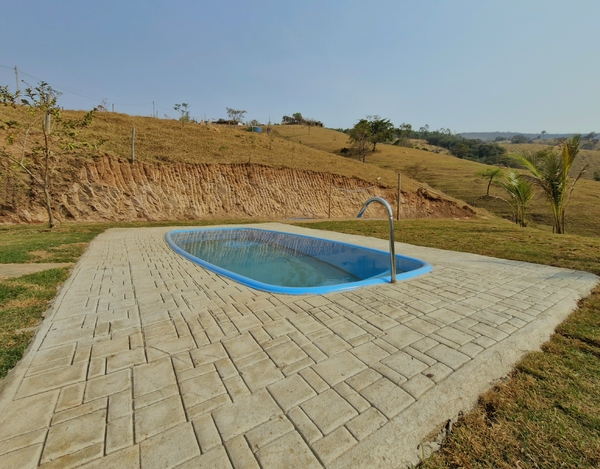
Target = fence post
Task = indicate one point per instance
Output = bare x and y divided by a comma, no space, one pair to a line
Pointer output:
330,189
399,196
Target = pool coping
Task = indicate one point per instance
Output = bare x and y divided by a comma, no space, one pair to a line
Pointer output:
61,410
384,277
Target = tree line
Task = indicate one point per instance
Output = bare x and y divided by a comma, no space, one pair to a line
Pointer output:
368,132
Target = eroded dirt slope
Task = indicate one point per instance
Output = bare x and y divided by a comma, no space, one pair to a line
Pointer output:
112,189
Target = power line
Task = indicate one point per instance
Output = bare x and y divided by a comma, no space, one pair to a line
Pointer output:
82,95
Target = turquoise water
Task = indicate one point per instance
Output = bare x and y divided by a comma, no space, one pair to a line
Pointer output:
269,263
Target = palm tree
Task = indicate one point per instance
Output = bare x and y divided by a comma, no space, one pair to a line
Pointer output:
521,191
549,169
490,174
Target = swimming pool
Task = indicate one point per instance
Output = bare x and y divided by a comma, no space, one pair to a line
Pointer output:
280,262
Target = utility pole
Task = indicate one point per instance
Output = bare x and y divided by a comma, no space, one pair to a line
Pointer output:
113,107
17,77
153,112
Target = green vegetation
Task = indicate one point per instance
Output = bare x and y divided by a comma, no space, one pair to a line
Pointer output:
520,192
29,243
470,149
184,112
360,139
490,174
550,171
22,302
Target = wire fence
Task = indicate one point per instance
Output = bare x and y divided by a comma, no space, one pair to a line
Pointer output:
15,79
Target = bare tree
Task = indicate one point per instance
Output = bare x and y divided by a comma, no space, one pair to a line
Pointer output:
235,115
58,136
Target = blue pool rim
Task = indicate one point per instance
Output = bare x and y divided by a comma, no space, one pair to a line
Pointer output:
378,280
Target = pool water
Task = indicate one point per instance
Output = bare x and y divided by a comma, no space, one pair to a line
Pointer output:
287,263
269,263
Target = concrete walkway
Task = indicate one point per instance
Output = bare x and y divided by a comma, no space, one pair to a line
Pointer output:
148,360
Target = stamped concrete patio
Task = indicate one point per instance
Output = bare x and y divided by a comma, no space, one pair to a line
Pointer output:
148,360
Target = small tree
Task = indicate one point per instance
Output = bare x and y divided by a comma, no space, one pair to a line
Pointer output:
360,138
184,110
520,191
519,139
403,133
39,154
490,174
297,117
310,123
549,169
235,115
382,130
415,170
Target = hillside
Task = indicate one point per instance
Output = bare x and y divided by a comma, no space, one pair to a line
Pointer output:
456,177
490,136
193,171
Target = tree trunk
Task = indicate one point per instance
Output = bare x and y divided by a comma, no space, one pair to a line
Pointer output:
49,208
46,128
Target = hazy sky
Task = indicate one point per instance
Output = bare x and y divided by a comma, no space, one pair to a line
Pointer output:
478,65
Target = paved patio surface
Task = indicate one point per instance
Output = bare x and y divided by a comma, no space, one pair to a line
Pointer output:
148,360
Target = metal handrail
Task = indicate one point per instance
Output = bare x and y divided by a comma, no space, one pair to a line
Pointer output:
391,226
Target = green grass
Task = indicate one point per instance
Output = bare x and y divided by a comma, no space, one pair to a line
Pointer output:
66,242
22,302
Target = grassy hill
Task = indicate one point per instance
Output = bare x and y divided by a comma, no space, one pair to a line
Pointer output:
457,178
317,149
168,141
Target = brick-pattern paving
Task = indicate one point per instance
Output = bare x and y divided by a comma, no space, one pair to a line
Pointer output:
147,360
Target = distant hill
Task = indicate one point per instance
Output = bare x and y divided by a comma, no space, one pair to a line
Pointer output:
491,136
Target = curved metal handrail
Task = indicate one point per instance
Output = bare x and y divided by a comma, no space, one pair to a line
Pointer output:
391,227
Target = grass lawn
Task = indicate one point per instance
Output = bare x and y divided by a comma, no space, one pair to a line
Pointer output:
546,415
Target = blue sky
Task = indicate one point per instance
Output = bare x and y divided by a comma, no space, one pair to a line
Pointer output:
478,65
